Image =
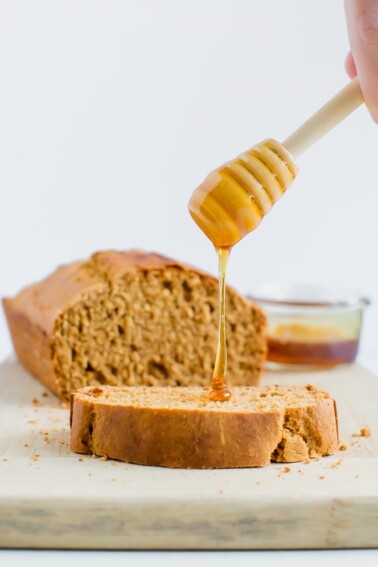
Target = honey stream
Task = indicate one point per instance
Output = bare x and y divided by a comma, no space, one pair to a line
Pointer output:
219,391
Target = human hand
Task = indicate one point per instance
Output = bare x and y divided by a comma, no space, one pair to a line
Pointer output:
362,23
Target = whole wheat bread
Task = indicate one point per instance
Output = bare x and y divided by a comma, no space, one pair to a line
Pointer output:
132,318
181,428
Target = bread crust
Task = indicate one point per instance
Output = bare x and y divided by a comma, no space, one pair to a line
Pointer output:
33,313
199,438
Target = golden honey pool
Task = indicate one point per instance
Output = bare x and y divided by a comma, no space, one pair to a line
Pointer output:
311,325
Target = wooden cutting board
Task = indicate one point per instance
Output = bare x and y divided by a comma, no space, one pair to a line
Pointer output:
50,498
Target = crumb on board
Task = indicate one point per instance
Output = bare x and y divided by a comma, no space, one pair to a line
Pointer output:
307,461
35,402
364,432
220,492
104,458
81,459
357,476
45,394
5,460
35,457
337,463
286,469
343,447
26,444
32,421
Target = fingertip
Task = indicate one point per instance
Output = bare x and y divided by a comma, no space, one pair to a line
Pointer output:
374,114
350,66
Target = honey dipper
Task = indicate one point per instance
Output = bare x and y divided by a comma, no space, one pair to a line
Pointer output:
234,198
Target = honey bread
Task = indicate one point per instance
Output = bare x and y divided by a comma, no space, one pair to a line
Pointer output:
132,318
181,428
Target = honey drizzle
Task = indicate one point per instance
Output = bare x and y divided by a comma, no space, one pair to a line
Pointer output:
219,391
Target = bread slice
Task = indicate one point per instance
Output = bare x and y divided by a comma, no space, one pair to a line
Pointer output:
181,428
132,318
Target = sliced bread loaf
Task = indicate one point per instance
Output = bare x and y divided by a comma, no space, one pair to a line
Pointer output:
181,428
132,318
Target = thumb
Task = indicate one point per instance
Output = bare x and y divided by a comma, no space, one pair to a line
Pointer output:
362,22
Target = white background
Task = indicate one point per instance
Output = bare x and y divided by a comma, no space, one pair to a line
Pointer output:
112,112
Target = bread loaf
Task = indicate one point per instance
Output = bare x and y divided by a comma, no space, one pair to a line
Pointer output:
181,428
131,318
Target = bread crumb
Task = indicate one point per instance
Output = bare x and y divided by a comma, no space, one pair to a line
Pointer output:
220,492
307,461
35,457
90,474
314,455
337,463
35,402
5,460
104,458
26,445
357,476
299,470
114,464
343,447
114,479
258,482
32,421
45,394
81,459
286,469
321,477
364,432
64,405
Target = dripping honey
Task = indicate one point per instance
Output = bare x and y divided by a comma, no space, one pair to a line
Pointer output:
229,204
219,391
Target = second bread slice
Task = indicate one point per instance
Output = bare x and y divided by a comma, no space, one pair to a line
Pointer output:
181,428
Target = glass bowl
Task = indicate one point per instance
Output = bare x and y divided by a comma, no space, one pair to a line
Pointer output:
311,325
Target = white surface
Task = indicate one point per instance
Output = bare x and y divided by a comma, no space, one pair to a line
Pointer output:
350,558
111,114
105,107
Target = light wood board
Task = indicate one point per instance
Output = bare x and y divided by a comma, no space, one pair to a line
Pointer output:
51,498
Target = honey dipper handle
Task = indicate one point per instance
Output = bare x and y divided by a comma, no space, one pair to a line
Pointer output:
333,112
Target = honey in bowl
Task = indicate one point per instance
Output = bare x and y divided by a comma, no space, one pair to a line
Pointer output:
311,325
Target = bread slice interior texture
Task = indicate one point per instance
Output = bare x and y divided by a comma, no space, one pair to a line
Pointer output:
181,428
155,327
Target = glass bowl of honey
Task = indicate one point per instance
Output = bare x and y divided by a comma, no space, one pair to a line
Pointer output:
311,326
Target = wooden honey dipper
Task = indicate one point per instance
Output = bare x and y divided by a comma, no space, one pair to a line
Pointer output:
234,198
